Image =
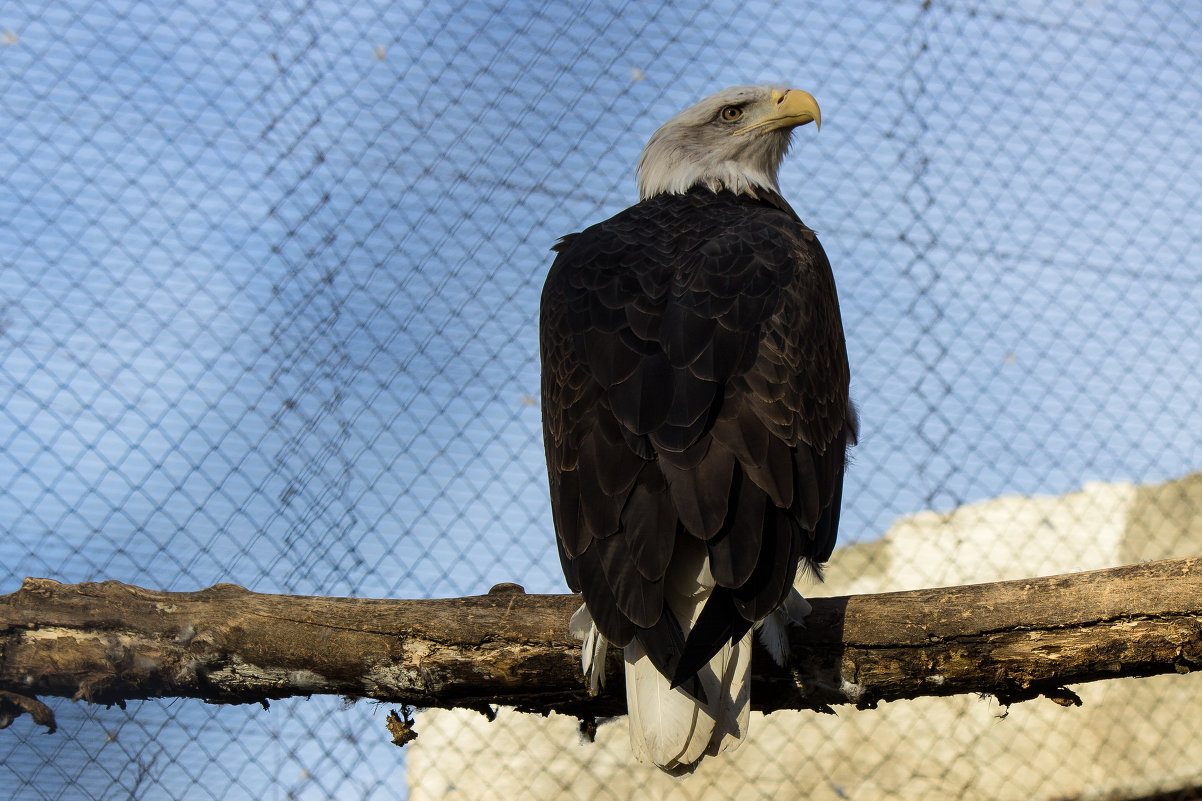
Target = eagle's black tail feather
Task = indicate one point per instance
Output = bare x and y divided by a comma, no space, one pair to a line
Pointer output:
718,624
666,648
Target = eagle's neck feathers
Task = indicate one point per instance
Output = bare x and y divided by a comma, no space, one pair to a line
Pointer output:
676,179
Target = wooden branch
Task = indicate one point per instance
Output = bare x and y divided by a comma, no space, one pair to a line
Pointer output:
111,642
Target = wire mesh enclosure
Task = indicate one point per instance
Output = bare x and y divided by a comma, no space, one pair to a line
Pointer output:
269,283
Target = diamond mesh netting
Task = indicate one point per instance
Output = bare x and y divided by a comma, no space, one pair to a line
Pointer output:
269,281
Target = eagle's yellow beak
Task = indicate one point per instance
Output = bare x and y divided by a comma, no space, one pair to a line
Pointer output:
790,108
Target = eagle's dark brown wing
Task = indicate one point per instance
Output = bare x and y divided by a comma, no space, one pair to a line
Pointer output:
695,385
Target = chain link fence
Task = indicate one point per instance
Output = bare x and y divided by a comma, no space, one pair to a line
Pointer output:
269,279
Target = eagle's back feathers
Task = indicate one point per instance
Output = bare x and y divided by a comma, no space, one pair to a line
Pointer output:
695,400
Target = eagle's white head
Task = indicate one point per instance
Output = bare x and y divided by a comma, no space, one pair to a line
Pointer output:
732,140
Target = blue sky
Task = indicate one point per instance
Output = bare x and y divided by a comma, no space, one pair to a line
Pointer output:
269,282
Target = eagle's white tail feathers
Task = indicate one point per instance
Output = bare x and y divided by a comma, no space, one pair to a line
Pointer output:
664,723
796,608
670,728
774,629
592,652
774,634
734,698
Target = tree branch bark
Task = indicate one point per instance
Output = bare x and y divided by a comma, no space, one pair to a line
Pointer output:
110,642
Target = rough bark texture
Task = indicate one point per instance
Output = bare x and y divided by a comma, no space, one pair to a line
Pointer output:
110,642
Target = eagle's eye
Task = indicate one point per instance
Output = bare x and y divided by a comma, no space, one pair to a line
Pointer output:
731,113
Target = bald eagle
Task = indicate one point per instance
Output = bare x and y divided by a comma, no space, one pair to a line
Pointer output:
696,420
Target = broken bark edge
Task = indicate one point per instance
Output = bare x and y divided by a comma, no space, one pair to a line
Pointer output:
13,705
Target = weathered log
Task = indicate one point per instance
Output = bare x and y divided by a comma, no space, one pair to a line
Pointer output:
110,642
